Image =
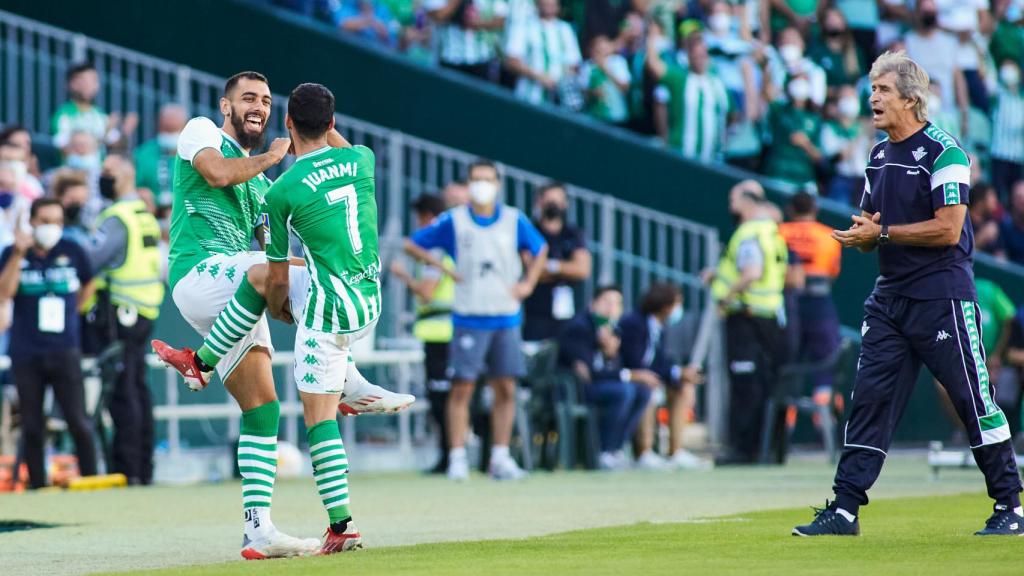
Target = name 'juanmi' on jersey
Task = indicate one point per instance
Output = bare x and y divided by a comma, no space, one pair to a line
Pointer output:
907,182
315,178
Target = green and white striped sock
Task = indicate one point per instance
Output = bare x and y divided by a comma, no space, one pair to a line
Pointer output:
234,322
330,468
257,462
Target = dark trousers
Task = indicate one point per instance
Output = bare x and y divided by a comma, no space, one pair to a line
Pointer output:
438,387
754,346
819,335
1004,175
61,369
131,406
620,406
899,335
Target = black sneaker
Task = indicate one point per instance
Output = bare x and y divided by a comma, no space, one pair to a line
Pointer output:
827,522
1002,522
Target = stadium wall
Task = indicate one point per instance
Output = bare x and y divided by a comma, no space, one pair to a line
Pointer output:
225,36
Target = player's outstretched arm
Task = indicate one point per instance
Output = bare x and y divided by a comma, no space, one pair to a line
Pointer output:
220,172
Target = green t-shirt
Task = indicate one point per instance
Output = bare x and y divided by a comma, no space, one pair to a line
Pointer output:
996,310
835,66
154,169
328,199
69,119
785,160
799,7
207,220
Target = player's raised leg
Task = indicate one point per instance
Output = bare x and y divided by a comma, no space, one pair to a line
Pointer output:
363,397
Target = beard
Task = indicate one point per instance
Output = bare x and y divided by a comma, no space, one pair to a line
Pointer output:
247,139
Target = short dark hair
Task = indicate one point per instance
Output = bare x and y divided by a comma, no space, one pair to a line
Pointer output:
428,204
64,179
803,204
979,193
481,163
311,108
11,130
550,185
40,203
77,69
601,290
247,75
658,296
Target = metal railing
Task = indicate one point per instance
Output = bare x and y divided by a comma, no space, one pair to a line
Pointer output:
632,245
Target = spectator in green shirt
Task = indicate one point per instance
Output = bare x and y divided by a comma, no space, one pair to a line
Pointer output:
80,113
836,52
154,159
605,80
795,134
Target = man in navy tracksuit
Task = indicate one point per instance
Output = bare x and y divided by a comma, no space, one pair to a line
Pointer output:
923,309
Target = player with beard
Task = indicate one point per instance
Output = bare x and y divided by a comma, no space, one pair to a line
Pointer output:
218,285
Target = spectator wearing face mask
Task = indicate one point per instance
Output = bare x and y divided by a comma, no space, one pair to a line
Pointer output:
846,143
941,113
80,113
1007,148
605,80
467,33
559,292
644,84
697,104
71,189
17,159
789,60
47,278
487,240
731,58
154,159
935,50
836,52
19,136
795,136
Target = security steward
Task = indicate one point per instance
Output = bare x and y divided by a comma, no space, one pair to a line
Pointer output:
434,292
748,286
820,258
127,262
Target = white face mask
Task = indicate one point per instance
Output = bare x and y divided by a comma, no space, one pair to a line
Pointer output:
849,107
790,53
483,192
19,168
934,104
167,140
720,22
1010,75
47,235
799,90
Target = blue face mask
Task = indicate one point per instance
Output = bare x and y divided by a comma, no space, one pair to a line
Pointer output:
6,199
675,316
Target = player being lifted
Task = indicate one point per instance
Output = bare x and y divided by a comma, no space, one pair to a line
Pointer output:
327,198
219,285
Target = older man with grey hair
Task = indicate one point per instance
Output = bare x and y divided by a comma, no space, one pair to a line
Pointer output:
924,307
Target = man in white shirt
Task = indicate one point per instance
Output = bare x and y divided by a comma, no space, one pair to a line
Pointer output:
543,51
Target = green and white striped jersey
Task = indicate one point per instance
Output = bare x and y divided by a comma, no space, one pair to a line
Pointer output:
207,220
328,199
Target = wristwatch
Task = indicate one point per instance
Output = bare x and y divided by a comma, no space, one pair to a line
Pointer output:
883,236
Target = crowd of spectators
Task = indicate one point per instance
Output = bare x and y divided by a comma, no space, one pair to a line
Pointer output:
776,86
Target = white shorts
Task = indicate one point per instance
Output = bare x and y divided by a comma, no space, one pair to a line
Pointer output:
322,359
210,285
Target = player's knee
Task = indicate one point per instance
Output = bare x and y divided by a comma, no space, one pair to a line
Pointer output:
257,276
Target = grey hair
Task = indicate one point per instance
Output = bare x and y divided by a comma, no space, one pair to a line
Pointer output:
911,79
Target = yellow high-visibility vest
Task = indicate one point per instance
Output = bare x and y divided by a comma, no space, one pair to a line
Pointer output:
136,283
434,318
764,296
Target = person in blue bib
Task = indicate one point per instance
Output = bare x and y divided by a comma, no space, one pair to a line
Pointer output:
47,277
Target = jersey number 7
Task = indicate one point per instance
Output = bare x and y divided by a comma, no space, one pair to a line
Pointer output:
347,194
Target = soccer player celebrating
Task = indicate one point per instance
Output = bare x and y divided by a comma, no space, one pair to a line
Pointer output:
924,306
218,285
328,199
